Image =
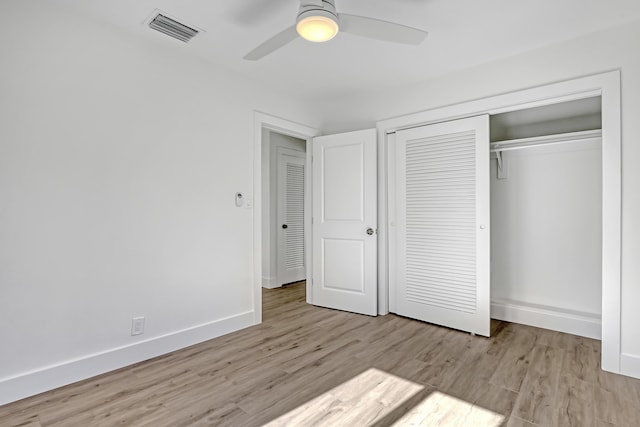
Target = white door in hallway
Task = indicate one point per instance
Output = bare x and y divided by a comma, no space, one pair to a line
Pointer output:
290,216
442,211
345,222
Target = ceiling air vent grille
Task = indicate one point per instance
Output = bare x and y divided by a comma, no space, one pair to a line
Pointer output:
172,28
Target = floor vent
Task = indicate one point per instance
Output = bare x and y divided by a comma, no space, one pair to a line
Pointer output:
172,28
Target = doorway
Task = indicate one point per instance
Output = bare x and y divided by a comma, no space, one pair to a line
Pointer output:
342,200
283,234
292,136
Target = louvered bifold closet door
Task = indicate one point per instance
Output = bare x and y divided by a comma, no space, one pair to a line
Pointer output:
294,235
442,197
291,256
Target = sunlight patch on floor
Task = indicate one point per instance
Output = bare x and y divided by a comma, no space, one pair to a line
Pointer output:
378,397
440,409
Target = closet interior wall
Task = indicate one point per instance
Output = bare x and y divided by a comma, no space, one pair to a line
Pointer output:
546,221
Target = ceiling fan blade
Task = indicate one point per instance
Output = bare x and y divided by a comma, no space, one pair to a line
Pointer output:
381,30
274,43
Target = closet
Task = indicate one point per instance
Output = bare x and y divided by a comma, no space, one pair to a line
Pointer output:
500,215
546,217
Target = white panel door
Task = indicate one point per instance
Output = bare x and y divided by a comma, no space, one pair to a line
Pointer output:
345,222
290,195
442,200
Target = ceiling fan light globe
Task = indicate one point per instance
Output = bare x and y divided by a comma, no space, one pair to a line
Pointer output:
317,28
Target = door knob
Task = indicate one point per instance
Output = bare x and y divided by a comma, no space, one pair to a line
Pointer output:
370,231
285,226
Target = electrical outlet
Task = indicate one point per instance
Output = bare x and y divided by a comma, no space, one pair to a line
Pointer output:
137,326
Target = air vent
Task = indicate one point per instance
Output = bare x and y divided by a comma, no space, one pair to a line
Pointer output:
172,28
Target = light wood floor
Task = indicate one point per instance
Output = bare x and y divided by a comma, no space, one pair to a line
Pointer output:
312,366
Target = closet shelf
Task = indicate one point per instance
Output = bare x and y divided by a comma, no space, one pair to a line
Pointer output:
563,138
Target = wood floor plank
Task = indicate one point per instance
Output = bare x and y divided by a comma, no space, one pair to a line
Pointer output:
205,413
612,409
363,400
313,384
480,361
514,365
313,366
496,399
626,388
437,409
574,404
536,398
29,424
318,377
582,359
517,422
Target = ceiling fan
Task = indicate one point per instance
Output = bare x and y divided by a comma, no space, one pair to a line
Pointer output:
318,21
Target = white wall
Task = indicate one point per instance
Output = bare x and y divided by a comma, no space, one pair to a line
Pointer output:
546,228
271,142
119,160
615,48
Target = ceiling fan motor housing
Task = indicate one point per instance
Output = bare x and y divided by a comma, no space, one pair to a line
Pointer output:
317,20
328,10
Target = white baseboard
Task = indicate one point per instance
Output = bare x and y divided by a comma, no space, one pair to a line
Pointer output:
270,282
630,365
557,319
51,377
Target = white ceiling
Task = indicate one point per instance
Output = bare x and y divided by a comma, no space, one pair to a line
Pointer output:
462,33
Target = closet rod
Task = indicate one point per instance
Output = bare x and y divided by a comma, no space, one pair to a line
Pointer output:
563,138
517,144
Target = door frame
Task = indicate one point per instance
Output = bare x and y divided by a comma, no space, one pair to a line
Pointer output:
606,85
263,121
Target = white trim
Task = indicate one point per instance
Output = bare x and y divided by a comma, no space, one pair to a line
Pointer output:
570,90
31,383
554,318
388,221
285,127
611,221
308,225
630,365
270,282
606,85
383,235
